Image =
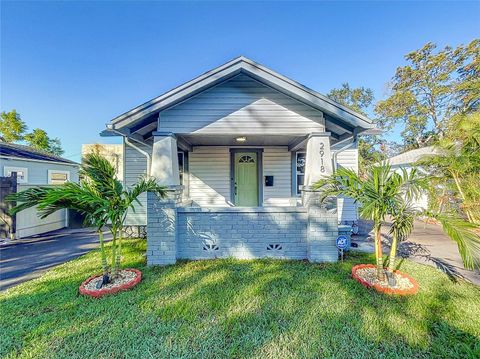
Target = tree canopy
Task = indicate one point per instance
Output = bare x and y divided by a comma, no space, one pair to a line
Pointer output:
39,139
434,87
13,129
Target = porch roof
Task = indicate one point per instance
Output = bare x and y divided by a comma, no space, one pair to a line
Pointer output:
143,119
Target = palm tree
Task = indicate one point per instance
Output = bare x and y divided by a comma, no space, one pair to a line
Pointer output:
378,194
99,196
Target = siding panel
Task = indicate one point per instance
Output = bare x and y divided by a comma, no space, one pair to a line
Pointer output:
210,176
347,209
38,171
136,166
241,105
277,162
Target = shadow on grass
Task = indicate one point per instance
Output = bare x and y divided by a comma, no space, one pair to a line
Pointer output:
230,308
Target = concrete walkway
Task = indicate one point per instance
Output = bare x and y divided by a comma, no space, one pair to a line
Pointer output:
28,258
427,245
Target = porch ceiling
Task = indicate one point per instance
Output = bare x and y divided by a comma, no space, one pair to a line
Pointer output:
230,140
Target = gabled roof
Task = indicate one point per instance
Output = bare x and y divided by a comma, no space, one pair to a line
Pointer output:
26,152
232,68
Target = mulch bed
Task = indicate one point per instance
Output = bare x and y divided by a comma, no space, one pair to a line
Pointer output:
366,274
127,279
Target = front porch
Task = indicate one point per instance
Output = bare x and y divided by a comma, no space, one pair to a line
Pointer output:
240,201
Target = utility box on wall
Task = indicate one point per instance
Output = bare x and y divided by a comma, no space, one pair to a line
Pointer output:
268,181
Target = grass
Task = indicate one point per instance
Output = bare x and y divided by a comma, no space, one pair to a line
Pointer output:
232,308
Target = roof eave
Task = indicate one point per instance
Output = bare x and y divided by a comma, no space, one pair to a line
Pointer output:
232,68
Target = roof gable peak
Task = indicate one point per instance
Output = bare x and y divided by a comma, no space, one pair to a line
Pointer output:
240,64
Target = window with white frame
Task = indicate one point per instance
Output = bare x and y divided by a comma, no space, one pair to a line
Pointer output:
58,177
299,170
22,173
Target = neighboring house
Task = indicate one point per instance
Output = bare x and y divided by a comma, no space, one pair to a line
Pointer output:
112,152
34,168
407,161
239,147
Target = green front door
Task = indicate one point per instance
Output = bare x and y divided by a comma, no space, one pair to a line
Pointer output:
246,179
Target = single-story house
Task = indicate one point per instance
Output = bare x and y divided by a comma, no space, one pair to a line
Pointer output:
32,168
239,147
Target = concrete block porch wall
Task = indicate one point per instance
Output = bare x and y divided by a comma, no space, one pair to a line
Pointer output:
175,232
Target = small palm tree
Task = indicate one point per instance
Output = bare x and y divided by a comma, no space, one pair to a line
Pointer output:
378,194
99,196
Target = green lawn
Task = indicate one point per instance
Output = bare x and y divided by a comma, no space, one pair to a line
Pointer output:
231,308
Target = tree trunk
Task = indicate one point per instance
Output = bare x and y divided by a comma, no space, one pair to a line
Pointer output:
470,217
106,276
103,253
378,251
119,253
393,254
114,251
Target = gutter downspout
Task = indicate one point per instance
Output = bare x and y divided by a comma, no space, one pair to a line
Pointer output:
145,153
128,142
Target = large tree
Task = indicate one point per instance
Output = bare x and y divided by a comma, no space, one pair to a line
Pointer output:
360,99
12,127
431,89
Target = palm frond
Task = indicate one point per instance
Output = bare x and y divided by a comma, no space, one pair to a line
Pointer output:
463,233
403,217
145,184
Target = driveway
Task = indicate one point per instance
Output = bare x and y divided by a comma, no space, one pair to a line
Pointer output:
428,245
30,257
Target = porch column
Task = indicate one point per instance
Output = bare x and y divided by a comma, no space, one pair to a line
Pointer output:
322,217
164,165
162,212
318,161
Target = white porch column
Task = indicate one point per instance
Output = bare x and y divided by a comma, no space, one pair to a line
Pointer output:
322,217
318,162
162,212
165,159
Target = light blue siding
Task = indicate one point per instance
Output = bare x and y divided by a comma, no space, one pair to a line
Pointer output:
38,171
347,208
241,105
135,167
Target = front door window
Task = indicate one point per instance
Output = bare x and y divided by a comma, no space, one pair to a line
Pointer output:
246,179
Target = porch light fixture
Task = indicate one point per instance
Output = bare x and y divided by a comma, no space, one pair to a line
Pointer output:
241,139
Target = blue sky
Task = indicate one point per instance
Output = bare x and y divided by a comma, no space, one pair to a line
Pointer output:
69,67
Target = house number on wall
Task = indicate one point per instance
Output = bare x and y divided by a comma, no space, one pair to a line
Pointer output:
322,155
